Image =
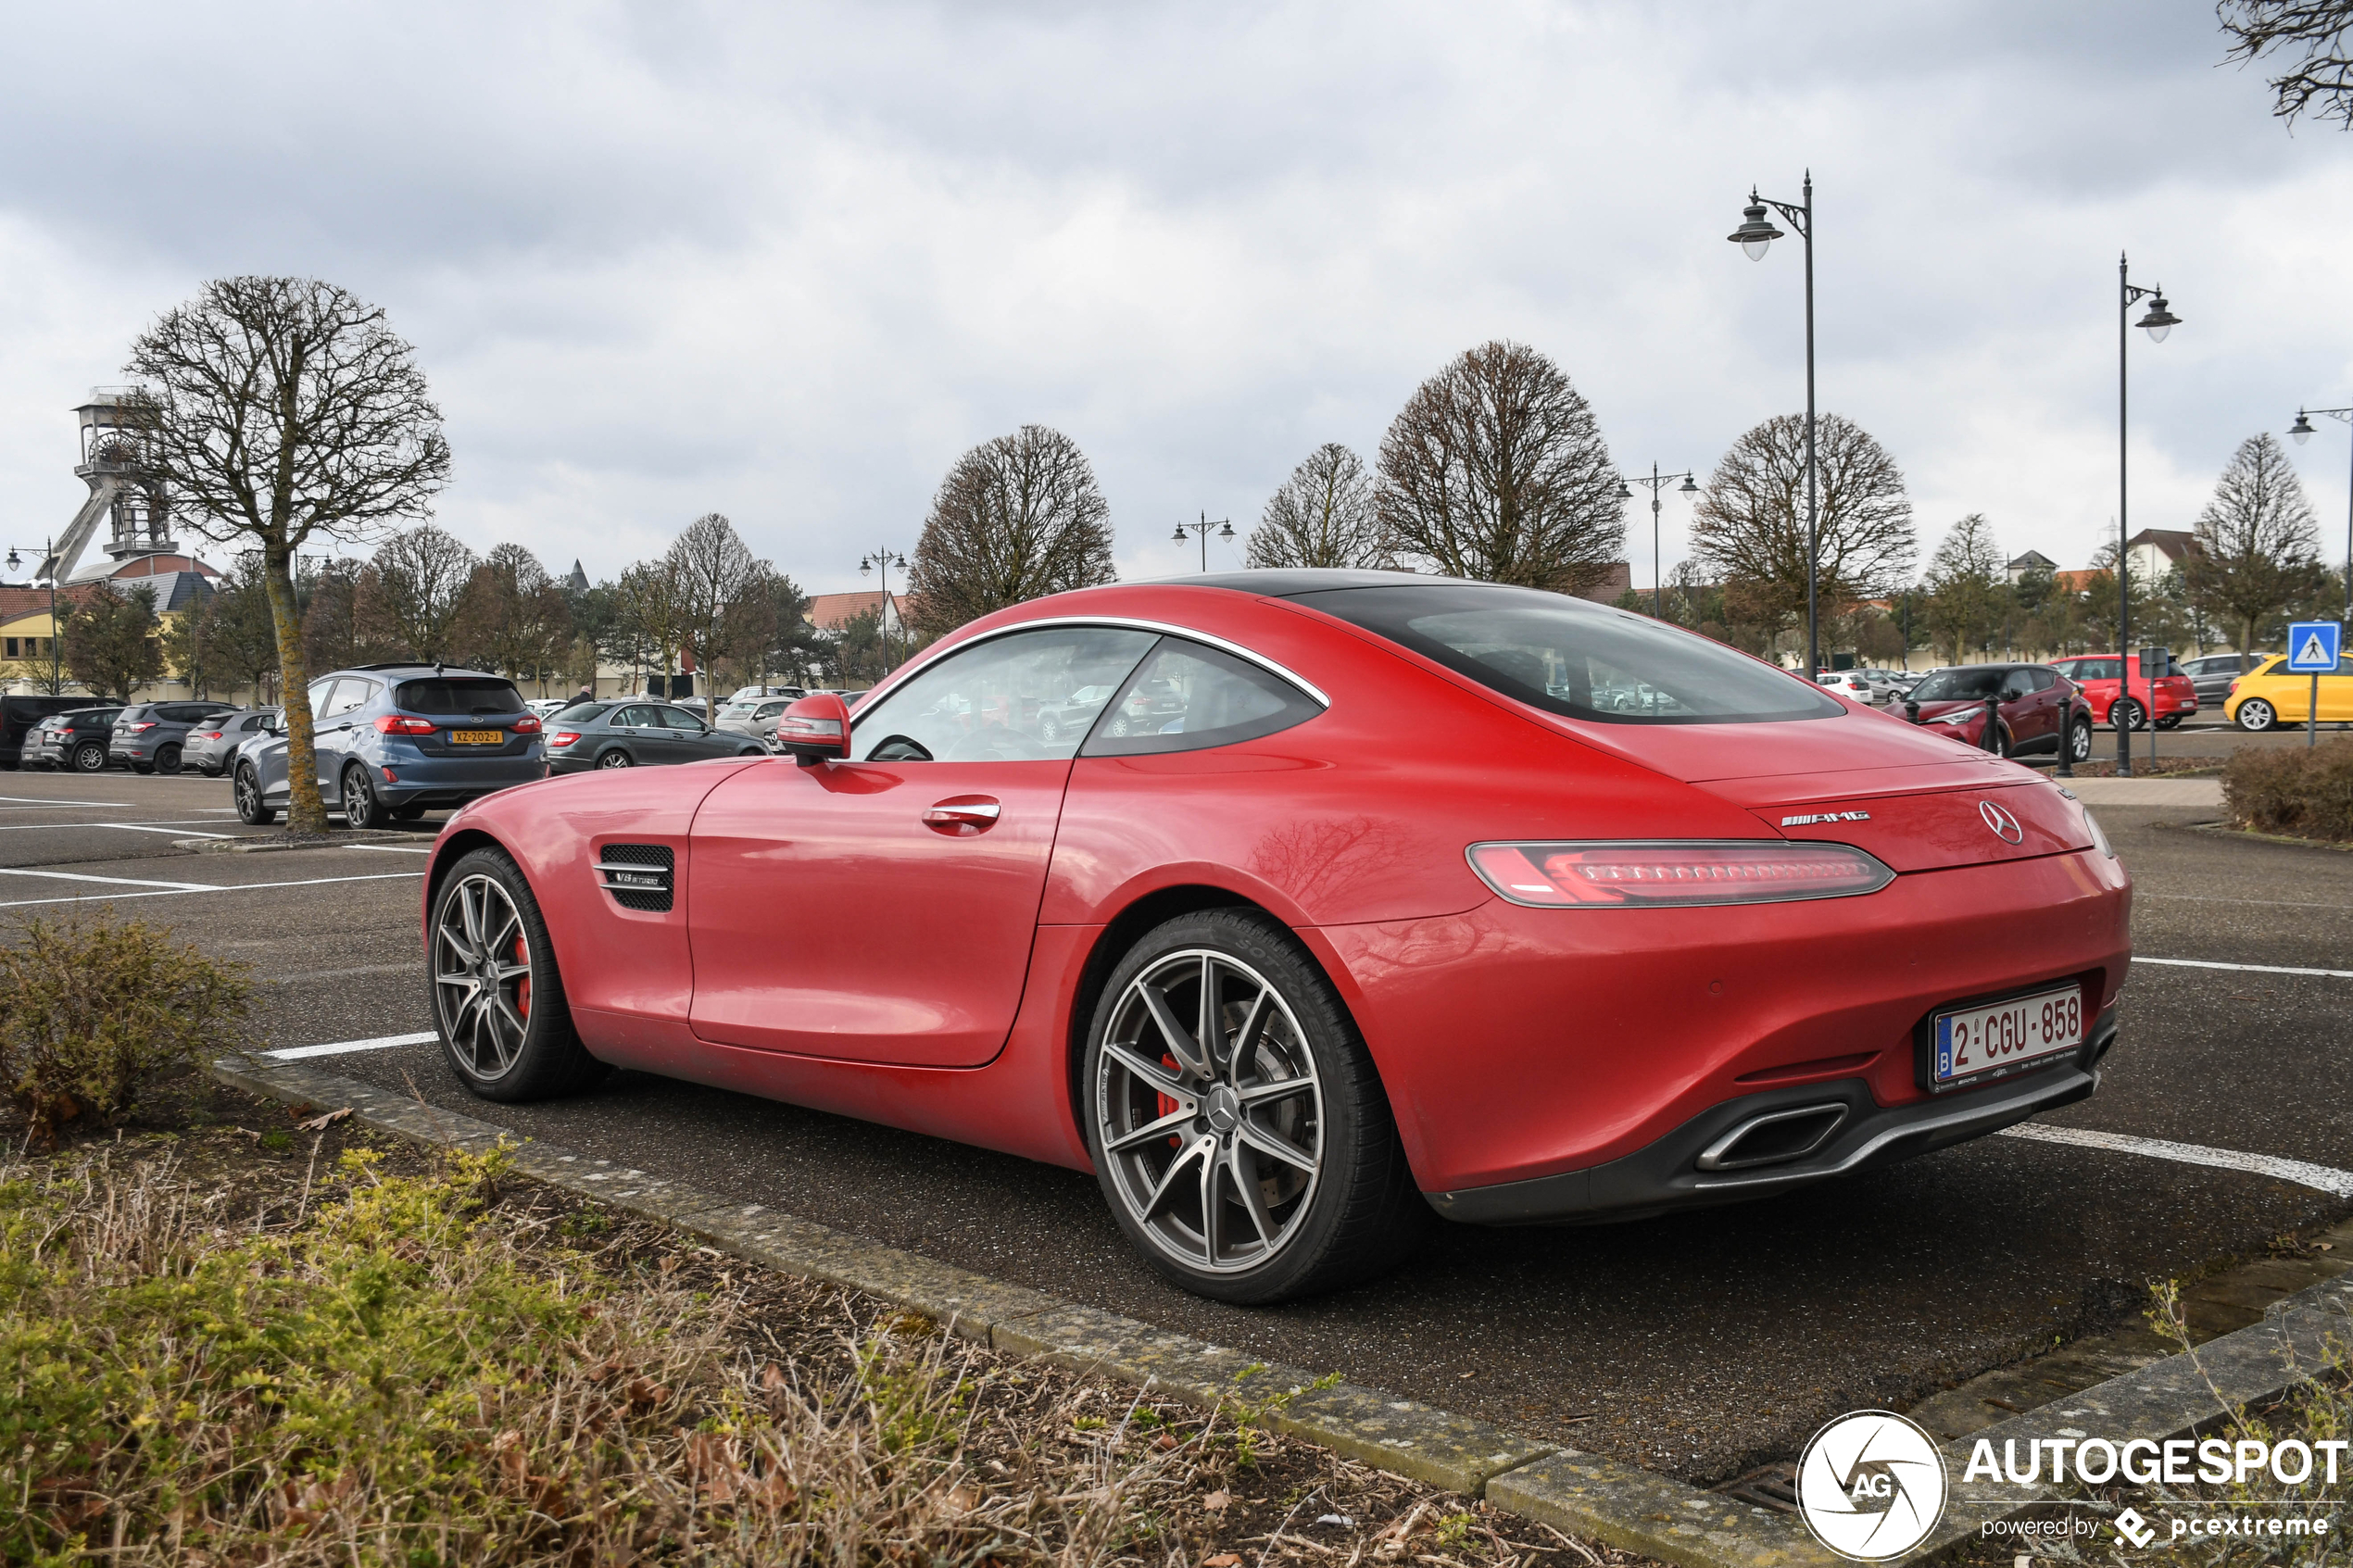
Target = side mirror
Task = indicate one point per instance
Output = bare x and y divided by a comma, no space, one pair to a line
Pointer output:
815,729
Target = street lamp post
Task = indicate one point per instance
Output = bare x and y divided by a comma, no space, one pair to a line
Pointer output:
2302,431
1656,482
885,558
1755,234
49,558
2160,321
1224,526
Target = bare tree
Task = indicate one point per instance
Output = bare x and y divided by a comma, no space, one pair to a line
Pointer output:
2258,545
651,609
1749,528
512,616
1966,587
408,597
712,567
1495,469
277,409
1326,514
2321,82
1016,518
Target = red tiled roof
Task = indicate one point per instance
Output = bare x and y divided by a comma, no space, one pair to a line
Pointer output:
831,612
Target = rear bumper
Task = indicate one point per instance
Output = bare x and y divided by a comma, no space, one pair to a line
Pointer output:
1668,1174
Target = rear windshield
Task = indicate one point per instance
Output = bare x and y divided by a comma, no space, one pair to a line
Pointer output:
457,695
1952,685
1575,657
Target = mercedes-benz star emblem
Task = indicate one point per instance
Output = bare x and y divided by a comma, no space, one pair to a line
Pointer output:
2001,822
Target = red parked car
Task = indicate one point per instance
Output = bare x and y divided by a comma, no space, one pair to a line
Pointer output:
2037,711
1377,905
2173,698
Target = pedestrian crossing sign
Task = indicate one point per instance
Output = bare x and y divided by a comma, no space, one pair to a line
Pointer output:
2312,647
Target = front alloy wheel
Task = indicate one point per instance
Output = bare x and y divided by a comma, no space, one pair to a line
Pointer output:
2257,714
1237,1124
496,999
2079,741
252,810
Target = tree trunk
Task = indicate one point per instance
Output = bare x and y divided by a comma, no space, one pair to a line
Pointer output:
306,812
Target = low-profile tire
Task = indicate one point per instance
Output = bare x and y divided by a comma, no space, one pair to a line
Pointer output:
498,999
252,810
616,757
2079,741
2257,715
90,757
2125,714
361,809
1269,1167
168,759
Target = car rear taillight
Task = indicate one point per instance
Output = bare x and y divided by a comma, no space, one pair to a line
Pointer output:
563,737
526,725
209,735
395,724
141,724
1621,875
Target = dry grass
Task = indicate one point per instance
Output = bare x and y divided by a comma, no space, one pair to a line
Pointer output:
2304,791
398,1361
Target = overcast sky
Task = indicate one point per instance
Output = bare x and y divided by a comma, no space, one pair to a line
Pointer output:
787,261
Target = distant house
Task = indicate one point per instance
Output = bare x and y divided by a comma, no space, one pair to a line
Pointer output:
2032,560
829,613
2153,552
1617,577
2072,581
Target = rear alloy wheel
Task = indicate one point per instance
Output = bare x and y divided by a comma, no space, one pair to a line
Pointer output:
2079,741
497,1000
361,809
2126,715
252,810
168,759
1237,1124
616,757
90,757
2258,715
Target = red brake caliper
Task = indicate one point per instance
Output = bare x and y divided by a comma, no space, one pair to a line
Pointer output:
522,991
1164,1106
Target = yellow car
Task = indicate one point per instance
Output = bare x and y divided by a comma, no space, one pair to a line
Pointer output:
2268,695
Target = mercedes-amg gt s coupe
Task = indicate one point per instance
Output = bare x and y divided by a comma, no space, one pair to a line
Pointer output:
1346,899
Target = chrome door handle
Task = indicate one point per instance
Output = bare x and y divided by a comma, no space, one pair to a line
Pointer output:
962,816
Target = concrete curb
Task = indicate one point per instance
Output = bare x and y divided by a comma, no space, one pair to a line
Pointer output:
337,839
1583,1494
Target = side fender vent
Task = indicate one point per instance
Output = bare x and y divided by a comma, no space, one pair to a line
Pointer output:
639,876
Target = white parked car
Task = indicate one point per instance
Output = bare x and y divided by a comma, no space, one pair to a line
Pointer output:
1871,687
753,694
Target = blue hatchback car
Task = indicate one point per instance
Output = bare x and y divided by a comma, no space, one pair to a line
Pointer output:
396,740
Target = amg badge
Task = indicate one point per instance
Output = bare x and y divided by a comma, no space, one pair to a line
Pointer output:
1826,817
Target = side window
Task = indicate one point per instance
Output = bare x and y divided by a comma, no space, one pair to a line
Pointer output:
679,718
1188,698
319,692
350,697
2040,680
1006,699
633,718
770,710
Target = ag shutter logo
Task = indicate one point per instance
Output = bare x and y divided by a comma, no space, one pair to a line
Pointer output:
1871,1486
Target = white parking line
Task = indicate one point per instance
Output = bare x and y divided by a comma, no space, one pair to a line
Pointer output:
2210,899
2326,1178
114,881
394,848
382,1042
181,889
26,803
2249,968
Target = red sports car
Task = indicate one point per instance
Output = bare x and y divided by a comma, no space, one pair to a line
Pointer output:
1364,897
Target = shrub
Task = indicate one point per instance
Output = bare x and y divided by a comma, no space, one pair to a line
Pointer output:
92,1013
2305,791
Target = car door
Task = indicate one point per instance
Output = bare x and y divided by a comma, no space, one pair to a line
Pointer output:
693,740
883,908
635,726
332,703
2336,691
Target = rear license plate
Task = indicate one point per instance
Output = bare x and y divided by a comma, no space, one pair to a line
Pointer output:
2000,1036
479,737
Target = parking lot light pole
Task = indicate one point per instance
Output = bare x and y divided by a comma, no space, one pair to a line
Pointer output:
2160,321
1224,526
1656,482
1754,236
2302,431
885,558
49,558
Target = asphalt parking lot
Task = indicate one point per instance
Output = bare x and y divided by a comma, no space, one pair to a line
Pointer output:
1697,1345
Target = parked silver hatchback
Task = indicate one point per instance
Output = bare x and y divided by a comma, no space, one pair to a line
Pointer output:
212,745
756,717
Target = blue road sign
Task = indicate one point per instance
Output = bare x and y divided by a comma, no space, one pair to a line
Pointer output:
2312,647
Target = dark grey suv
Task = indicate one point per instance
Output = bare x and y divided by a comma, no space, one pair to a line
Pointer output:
151,737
